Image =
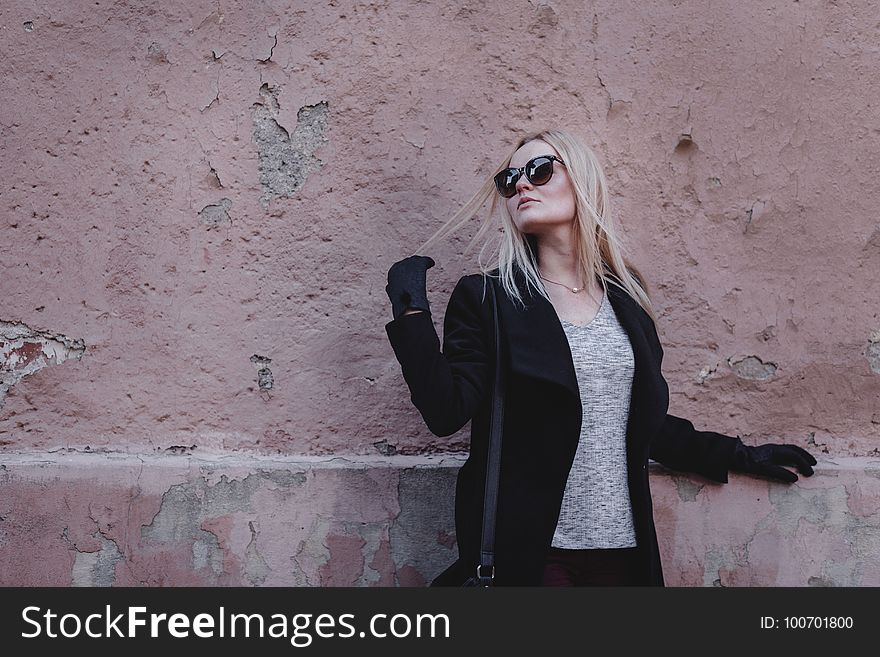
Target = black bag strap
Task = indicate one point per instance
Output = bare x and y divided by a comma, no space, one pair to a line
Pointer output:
486,567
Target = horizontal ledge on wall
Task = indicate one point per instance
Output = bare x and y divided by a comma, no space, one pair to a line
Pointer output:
226,458
71,457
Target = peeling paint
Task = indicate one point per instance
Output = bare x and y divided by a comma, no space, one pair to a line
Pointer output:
687,489
384,448
346,562
185,506
103,245
705,373
214,215
685,143
872,353
312,554
265,380
198,514
374,537
96,568
256,568
24,350
793,504
206,552
364,525
382,565
754,213
284,478
714,561
286,159
752,367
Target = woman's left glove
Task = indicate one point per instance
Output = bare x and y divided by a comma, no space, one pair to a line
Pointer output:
766,460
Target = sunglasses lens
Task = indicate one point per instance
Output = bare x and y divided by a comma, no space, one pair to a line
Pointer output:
505,182
540,170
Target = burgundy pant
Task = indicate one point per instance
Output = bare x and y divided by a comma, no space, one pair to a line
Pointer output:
601,567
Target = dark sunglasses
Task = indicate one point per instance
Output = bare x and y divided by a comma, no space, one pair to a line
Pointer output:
538,170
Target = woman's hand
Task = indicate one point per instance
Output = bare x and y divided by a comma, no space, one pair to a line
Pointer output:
407,285
766,460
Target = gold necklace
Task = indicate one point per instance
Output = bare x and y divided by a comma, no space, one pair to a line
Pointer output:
572,289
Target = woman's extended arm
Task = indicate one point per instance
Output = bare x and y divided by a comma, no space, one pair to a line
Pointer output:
680,446
446,387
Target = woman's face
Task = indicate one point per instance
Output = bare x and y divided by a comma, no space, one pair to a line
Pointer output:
552,204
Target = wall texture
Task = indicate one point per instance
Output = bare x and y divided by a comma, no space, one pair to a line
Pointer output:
200,202
241,520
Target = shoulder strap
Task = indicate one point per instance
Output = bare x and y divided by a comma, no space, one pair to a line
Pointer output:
486,568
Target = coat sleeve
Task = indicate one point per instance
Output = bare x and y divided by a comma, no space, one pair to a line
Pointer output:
446,387
679,446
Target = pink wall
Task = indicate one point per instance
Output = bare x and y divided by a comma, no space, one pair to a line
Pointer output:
200,202
254,521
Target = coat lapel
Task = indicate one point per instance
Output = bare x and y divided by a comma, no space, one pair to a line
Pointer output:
648,386
535,340
538,347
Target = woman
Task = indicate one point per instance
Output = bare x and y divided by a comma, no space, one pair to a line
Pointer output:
586,401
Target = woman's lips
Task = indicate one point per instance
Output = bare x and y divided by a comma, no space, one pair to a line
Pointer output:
523,202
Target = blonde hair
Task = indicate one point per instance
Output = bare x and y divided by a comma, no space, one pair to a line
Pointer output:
598,247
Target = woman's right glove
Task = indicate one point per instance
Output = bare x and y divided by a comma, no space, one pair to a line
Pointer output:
407,284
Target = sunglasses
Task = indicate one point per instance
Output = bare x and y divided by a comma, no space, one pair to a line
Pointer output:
538,170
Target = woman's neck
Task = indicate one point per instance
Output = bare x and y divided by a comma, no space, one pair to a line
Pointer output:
560,263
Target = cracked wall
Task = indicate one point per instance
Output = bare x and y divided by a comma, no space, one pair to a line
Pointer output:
162,521
822,530
194,264
96,568
25,351
247,197
172,521
286,157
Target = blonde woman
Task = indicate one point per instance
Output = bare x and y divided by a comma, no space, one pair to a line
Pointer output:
586,401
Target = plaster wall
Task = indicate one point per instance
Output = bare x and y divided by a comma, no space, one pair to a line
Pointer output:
201,200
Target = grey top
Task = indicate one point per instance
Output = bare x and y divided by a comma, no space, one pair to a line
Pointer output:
596,510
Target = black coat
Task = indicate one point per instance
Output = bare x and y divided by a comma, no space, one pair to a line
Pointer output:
542,421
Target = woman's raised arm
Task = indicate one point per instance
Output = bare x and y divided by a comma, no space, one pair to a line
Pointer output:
446,387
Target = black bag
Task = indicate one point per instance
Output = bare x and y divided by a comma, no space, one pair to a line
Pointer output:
485,571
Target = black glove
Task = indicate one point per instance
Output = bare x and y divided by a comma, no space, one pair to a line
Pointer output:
406,284
766,460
